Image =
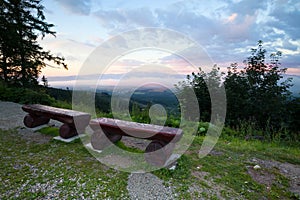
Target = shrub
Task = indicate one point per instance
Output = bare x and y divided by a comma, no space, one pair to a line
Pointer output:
202,128
24,95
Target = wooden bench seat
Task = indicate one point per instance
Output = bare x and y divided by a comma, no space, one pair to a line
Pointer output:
41,114
156,153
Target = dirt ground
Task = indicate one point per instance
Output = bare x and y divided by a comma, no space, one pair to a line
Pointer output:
263,176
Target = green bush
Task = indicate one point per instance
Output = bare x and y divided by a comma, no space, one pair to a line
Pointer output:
202,128
228,132
173,122
62,104
24,95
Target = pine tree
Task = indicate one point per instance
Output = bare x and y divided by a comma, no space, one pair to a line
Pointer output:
22,22
45,81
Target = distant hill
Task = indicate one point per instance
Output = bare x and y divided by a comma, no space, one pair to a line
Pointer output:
157,95
144,96
102,99
64,82
295,89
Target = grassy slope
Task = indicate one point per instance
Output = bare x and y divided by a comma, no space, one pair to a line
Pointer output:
223,173
29,169
57,169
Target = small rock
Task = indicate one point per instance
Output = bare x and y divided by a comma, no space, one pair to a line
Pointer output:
256,167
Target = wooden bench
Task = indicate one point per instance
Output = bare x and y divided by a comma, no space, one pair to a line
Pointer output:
41,114
156,153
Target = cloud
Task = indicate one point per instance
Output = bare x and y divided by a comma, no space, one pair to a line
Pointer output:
278,20
125,19
48,11
226,29
238,31
82,7
287,18
231,18
293,71
69,49
247,7
186,16
288,51
126,62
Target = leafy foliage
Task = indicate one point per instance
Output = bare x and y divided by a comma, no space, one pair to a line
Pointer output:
24,95
267,97
256,95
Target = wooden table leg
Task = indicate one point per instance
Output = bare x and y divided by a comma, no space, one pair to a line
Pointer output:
100,140
67,131
32,121
158,152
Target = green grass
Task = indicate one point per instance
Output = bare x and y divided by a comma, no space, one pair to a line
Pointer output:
227,170
280,151
67,170
52,167
51,131
121,145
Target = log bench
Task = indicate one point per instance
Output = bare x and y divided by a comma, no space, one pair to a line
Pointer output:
108,131
41,114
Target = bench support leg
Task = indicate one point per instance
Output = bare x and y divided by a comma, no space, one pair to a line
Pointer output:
100,140
67,131
158,152
32,121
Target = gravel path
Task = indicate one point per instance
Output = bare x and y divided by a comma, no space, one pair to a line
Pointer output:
148,186
11,115
140,186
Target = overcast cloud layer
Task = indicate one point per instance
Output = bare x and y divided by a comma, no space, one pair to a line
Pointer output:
227,29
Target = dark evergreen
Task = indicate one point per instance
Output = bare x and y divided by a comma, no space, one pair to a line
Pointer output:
45,81
22,22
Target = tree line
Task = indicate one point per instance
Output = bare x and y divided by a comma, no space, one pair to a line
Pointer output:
256,94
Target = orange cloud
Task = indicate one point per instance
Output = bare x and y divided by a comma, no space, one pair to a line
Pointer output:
231,18
293,71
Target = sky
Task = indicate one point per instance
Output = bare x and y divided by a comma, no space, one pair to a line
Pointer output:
226,30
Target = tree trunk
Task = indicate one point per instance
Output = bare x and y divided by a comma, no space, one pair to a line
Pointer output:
4,68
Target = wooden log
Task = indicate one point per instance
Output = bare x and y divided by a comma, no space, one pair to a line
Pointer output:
74,121
72,117
32,121
100,140
137,130
158,152
67,131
